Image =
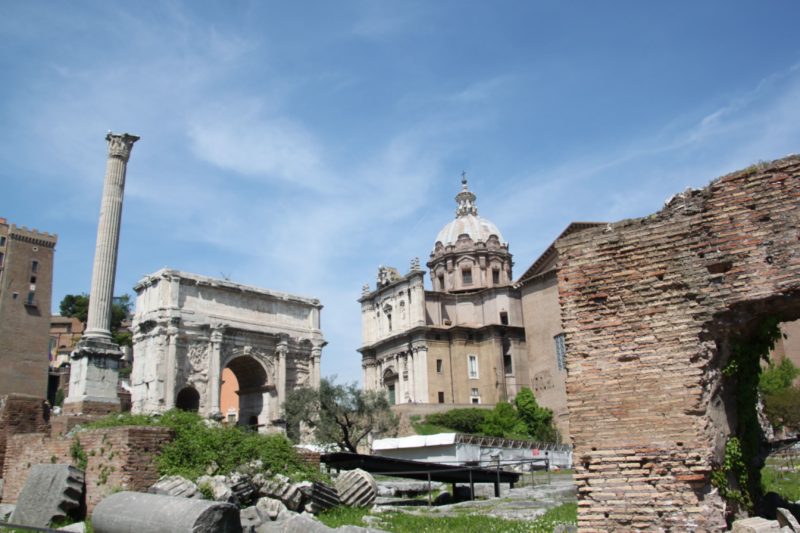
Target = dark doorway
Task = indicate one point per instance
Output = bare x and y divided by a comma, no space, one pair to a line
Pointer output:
188,400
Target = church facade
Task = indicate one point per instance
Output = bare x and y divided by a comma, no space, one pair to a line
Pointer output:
463,342
478,335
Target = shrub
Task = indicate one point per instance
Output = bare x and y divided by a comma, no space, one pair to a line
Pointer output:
198,445
503,421
460,420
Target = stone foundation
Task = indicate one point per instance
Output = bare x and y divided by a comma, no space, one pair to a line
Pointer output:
648,307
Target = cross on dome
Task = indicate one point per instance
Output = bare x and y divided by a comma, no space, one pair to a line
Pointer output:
465,199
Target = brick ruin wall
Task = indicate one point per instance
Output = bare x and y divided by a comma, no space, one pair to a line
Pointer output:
21,413
118,458
647,305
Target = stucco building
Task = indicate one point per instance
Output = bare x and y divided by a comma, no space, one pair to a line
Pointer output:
189,328
26,283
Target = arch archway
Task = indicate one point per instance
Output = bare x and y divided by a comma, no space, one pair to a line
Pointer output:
244,388
390,384
188,399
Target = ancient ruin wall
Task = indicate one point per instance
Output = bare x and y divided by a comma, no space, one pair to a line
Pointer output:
119,458
646,305
21,413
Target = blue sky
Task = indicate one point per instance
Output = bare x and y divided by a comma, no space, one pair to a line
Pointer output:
299,145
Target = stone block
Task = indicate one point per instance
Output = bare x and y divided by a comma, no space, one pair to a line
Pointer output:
755,524
5,511
220,490
250,519
356,488
51,493
243,489
787,519
283,489
175,486
320,497
270,509
139,512
77,527
298,523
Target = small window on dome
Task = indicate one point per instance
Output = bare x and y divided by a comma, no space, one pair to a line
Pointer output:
496,276
441,282
466,276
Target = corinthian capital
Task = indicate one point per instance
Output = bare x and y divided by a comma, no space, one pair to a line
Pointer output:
120,145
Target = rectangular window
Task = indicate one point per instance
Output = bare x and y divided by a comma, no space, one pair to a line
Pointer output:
495,276
2,240
34,266
441,282
561,351
507,365
466,276
33,279
439,366
441,396
1,259
504,318
476,400
472,362
31,296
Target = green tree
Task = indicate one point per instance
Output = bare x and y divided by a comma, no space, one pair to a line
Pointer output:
503,421
340,414
538,420
75,305
783,408
776,378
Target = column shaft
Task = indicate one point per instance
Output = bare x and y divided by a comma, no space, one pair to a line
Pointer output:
108,229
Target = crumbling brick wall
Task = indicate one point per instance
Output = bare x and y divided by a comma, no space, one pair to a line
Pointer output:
647,305
117,458
21,413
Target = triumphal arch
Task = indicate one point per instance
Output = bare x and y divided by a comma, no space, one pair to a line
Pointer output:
188,329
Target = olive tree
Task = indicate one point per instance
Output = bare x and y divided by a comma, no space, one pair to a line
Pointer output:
343,414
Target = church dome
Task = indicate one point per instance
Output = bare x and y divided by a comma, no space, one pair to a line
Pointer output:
467,221
478,229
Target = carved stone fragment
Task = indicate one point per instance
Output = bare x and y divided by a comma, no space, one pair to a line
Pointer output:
51,493
356,488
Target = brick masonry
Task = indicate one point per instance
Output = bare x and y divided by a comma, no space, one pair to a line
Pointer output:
21,413
118,458
648,306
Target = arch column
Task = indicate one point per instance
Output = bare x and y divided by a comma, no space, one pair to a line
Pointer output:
316,356
172,349
215,370
281,353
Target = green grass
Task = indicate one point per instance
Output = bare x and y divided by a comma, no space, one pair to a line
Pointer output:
343,516
787,484
469,522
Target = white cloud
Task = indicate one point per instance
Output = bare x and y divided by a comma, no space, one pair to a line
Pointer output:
236,138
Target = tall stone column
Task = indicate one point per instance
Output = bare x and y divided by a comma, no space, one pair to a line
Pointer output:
105,254
95,360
